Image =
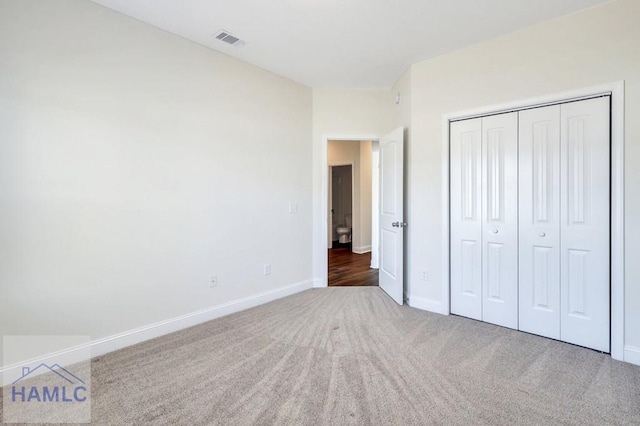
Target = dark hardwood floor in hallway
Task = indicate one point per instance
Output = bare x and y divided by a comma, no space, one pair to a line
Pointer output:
350,269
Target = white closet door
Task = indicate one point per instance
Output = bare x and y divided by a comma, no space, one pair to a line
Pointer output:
500,219
539,215
466,217
585,245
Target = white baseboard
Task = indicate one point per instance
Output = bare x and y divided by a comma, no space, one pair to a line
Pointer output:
427,305
632,355
137,335
319,283
361,250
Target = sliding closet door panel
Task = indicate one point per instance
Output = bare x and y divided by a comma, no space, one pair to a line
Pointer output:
466,227
500,219
539,217
585,218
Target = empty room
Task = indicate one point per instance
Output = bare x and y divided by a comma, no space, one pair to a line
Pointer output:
320,212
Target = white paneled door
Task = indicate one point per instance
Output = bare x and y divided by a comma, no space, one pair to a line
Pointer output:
500,219
484,219
585,218
539,252
530,220
391,277
466,218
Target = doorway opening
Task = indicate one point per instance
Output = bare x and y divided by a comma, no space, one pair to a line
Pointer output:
341,206
352,200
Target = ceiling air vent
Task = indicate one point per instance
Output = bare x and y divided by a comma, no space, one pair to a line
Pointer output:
229,38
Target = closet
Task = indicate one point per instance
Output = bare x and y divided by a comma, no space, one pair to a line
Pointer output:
530,220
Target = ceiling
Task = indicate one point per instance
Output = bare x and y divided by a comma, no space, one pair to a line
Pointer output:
343,43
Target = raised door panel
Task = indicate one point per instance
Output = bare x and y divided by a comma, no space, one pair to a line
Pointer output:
585,222
539,221
466,227
500,219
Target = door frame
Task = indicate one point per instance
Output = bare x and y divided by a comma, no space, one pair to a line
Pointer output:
330,193
616,90
324,201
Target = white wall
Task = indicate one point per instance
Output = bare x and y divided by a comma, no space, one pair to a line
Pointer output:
135,164
341,112
402,114
596,46
364,244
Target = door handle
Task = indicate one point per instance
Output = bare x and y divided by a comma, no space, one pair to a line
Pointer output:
495,231
542,234
399,224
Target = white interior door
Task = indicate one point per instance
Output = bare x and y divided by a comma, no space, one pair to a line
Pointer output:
539,211
391,276
585,222
500,219
466,218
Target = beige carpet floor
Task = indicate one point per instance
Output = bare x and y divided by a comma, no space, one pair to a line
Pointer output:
345,356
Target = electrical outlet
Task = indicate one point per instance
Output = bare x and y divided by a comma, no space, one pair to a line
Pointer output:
423,276
213,282
267,268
